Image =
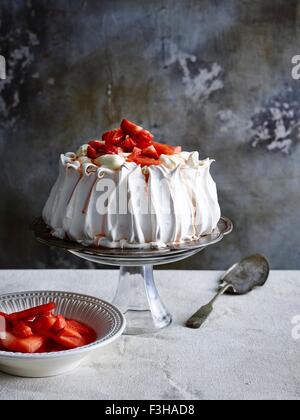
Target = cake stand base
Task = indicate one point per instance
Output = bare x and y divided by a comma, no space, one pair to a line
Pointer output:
138,299
137,295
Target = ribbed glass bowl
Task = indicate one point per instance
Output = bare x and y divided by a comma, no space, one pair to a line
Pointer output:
108,322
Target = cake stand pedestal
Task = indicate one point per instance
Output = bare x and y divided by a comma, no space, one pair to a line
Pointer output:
137,295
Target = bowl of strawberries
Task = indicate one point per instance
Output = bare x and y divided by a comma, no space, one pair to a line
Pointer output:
46,334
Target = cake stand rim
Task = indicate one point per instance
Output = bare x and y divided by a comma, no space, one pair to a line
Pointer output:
43,235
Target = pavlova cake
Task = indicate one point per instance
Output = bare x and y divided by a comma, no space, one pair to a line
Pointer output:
129,191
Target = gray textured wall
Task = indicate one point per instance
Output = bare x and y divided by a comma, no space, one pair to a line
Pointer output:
214,75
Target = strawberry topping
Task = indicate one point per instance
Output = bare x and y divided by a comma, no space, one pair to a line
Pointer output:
150,152
97,145
113,150
91,153
128,144
133,139
114,137
166,149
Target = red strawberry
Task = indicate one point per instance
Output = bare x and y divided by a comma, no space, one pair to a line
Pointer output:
145,136
137,151
60,324
69,332
130,128
74,335
33,312
23,345
81,328
70,343
135,154
113,137
20,329
142,137
143,140
128,144
166,149
98,145
91,153
150,152
113,150
43,324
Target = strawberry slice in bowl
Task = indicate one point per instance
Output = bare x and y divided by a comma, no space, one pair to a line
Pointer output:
32,312
27,345
60,324
22,330
55,344
42,325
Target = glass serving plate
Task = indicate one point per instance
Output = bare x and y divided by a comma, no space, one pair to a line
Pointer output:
137,295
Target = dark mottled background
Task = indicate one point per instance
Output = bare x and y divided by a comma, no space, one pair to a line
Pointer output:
214,75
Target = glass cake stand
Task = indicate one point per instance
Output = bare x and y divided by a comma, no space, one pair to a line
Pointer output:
137,295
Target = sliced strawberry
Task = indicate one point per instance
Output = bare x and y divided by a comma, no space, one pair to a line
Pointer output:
97,145
137,151
113,150
23,345
166,149
20,329
134,155
128,144
142,141
71,342
81,328
130,128
68,342
142,137
33,312
91,153
60,324
114,137
69,332
144,161
42,325
150,152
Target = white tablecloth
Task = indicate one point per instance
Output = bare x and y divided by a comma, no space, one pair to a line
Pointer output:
245,351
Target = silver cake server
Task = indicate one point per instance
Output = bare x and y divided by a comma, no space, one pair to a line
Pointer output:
240,279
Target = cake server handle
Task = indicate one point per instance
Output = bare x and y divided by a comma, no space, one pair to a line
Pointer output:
198,319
